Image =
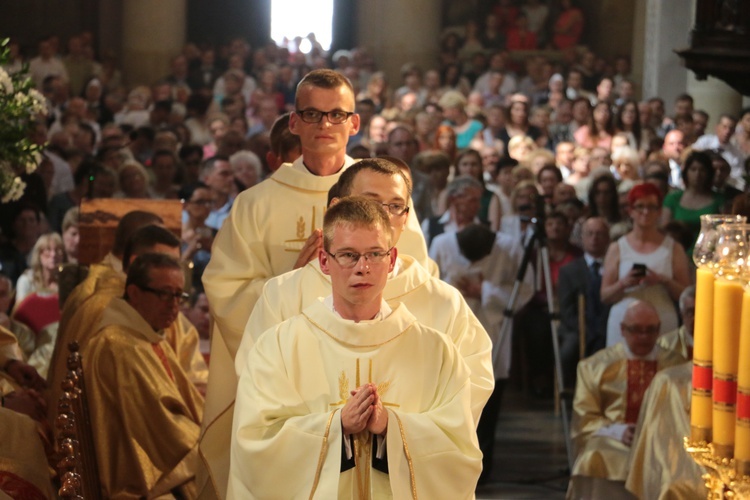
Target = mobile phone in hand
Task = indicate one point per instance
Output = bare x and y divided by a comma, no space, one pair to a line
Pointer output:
640,270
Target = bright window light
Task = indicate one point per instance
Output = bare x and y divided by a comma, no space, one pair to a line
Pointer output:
292,18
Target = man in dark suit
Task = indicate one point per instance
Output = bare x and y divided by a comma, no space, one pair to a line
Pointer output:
583,276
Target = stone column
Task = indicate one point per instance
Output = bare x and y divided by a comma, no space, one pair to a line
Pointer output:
398,32
153,32
714,97
667,26
662,26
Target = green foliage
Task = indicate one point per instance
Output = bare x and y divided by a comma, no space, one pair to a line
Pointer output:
20,105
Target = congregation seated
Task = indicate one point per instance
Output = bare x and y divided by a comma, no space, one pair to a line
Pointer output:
514,95
131,367
609,391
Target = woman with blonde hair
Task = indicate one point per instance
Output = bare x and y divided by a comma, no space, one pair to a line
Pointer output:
42,277
523,201
627,163
133,180
454,104
70,235
520,147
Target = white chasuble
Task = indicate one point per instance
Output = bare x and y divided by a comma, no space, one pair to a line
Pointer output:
287,434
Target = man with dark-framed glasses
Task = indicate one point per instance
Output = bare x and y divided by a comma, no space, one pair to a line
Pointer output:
274,227
383,407
129,367
432,301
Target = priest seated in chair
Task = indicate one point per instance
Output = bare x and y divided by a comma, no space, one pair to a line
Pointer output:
609,391
145,411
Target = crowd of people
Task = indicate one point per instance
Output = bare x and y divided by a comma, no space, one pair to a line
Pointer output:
472,159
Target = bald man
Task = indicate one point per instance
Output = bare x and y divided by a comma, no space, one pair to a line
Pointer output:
609,391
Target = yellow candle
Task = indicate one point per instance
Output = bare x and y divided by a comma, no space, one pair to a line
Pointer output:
728,297
742,428
704,315
701,404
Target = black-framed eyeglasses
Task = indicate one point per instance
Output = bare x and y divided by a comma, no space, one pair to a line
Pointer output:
165,295
641,330
349,259
396,208
312,115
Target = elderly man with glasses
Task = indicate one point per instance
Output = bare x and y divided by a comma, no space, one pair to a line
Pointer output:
609,392
145,412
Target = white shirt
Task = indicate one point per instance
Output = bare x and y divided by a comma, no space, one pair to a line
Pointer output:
730,153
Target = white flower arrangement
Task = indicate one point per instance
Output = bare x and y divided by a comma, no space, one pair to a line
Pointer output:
20,105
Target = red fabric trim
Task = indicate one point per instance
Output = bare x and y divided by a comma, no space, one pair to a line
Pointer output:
163,358
743,405
18,488
725,391
703,377
640,374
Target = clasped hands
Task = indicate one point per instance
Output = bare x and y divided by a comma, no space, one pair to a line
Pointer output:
364,410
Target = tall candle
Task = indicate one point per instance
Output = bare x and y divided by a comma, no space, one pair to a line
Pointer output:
728,295
742,427
701,403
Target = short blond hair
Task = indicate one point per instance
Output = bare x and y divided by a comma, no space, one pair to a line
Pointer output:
355,211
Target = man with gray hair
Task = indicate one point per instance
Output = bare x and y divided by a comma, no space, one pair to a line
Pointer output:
609,391
464,195
246,168
658,466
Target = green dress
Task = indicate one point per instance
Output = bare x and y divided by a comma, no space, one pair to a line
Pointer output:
691,217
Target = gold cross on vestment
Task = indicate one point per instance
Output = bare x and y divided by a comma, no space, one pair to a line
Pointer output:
344,386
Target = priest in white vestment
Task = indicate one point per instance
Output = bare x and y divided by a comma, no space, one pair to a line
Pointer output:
273,228
431,300
382,408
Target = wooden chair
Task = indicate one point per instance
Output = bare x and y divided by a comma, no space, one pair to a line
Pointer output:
77,466
568,393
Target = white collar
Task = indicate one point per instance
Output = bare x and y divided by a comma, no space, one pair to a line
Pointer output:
385,309
652,356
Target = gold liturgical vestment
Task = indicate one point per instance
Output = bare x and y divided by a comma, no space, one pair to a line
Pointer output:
609,390
267,227
24,472
432,301
679,341
287,436
145,412
81,315
660,468
9,348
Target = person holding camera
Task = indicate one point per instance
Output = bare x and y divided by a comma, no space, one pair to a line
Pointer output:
644,264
